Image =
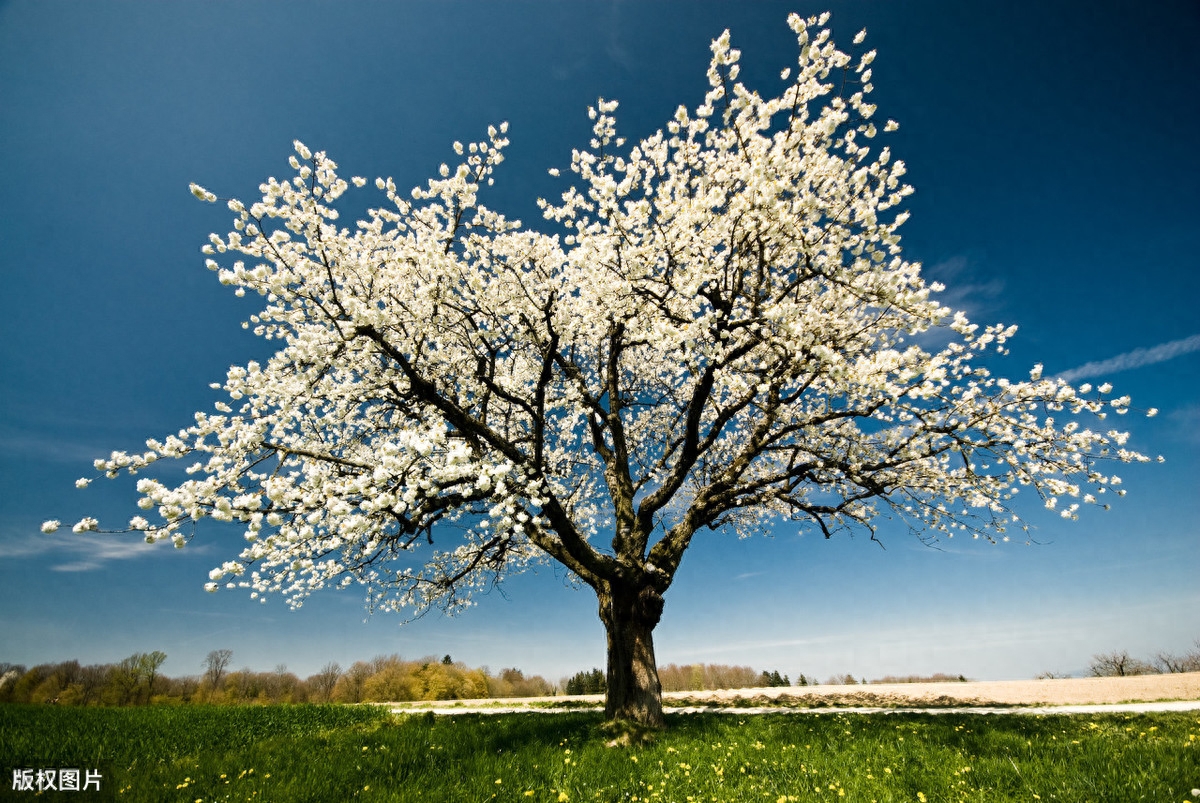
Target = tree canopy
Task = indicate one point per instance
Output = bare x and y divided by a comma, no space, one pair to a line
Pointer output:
713,328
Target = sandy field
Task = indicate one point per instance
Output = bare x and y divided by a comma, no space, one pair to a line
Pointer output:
999,693
1057,691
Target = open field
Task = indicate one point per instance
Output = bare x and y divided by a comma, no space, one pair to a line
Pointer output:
1002,693
362,753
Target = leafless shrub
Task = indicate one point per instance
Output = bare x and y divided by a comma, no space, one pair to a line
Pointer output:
1118,665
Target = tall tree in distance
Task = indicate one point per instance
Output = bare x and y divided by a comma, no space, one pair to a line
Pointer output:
323,682
150,662
715,329
215,664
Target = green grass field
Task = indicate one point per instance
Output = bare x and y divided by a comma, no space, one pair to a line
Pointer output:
341,753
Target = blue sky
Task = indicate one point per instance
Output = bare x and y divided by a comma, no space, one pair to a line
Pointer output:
1055,159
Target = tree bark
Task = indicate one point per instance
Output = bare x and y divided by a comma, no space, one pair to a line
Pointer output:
630,615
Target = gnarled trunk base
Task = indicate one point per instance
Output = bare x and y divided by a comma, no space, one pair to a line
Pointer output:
629,616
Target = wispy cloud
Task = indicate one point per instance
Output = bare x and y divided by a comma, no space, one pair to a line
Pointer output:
1133,359
79,553
962,293
50,448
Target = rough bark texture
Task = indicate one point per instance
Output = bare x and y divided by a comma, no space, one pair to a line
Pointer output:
629,616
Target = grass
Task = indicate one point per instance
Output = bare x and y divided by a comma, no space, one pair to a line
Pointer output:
327,753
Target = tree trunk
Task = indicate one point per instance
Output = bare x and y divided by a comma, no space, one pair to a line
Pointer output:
629,615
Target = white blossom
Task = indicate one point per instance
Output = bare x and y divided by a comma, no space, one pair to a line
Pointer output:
201,193
85,524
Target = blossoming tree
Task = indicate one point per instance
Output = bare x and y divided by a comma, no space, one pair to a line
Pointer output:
717,330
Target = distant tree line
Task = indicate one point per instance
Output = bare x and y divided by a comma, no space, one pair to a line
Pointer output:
132,681
136,681
708,677
1122,664
936,677
689,677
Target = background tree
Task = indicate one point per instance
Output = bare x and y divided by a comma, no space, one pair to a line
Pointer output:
587,682
350,686
1170,662
773,679
148,666
1119,664
698,677
20,689
215,664
185,689
91,683
124,680
59,684
321,684
716,330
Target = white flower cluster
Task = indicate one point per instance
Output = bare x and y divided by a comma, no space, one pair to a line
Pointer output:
718,330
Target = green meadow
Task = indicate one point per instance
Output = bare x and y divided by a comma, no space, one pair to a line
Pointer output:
365,753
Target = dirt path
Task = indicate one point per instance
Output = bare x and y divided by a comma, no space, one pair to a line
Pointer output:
1061,695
